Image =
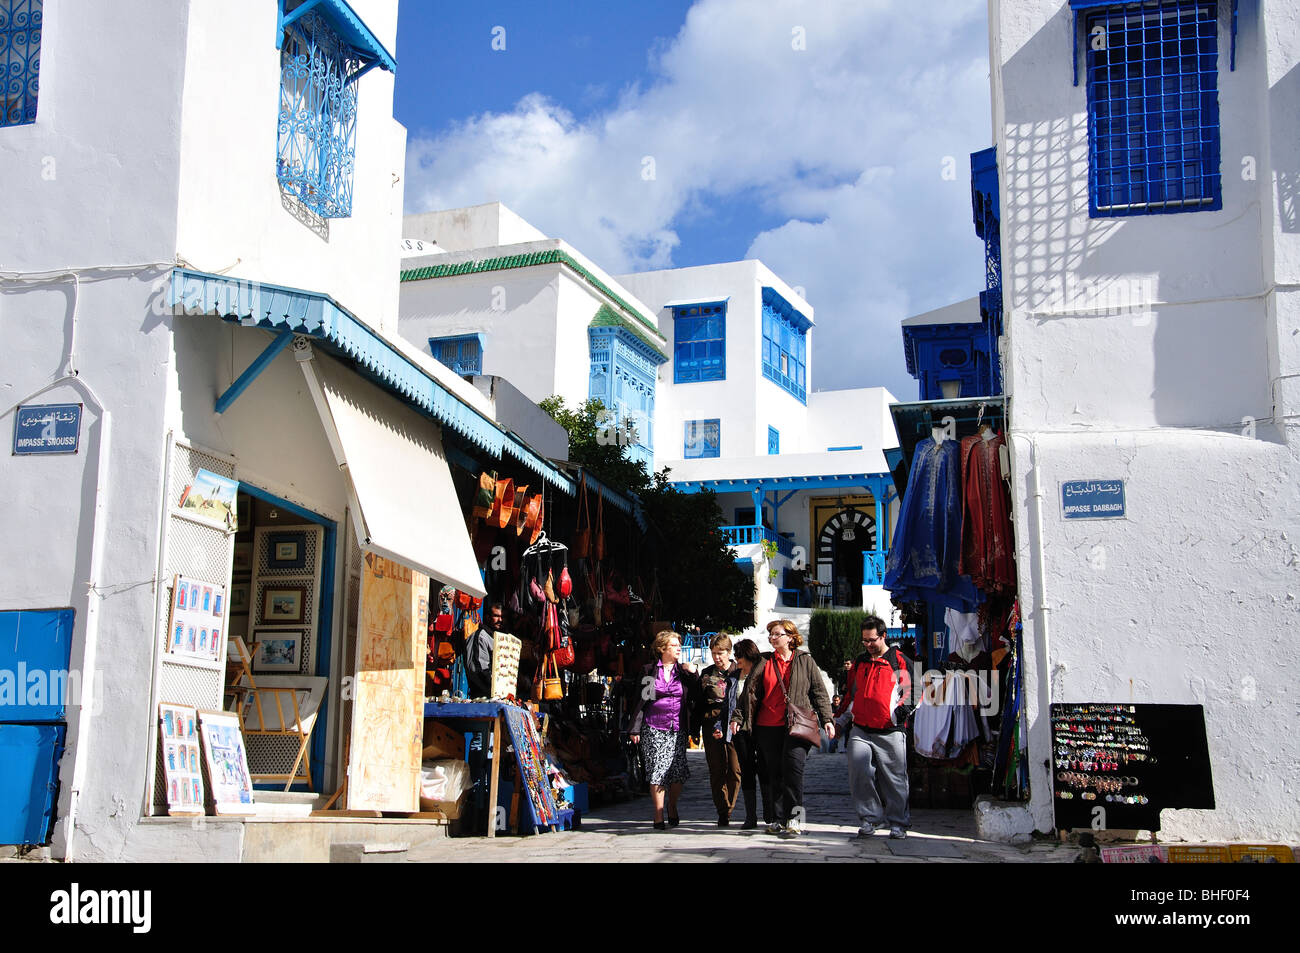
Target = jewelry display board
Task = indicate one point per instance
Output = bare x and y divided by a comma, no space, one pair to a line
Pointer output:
505,664
1115,767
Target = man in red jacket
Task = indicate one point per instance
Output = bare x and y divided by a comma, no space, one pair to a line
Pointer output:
878,692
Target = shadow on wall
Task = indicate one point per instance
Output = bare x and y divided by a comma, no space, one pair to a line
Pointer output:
1284,147
1081,289
318,226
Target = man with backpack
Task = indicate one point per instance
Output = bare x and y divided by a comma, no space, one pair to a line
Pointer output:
878,694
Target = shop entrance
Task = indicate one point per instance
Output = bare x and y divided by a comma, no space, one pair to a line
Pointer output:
282,606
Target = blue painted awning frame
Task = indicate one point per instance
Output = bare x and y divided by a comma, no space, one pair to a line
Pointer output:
350,28
316,316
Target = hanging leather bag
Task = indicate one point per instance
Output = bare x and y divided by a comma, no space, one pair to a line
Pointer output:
600,527
552,684
581,547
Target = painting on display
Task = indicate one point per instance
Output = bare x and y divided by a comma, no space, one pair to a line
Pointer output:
227,762
182,776
211,498
197,621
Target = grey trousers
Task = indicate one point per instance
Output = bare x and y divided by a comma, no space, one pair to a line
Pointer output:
878,768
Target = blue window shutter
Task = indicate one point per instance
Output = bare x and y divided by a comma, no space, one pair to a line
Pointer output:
773,441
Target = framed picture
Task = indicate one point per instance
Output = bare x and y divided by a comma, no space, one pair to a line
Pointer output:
239,598
212,499
180,759
227,761
283,604
278,650
286,550
196,620
243,558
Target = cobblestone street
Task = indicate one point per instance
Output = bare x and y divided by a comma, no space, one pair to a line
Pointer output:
622,833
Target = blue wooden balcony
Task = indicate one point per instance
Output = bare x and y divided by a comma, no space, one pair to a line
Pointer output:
746,535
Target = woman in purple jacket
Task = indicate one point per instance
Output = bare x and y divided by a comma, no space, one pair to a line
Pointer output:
665,714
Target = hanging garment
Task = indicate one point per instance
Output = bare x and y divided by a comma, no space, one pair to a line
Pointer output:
944,723
964,638
926,552
987,555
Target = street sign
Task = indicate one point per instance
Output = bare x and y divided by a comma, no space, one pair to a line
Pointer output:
1092,499
47,428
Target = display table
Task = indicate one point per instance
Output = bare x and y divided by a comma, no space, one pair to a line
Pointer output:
522,729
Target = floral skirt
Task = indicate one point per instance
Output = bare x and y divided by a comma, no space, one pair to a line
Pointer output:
664,754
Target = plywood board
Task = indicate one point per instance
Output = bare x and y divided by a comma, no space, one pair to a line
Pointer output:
388,700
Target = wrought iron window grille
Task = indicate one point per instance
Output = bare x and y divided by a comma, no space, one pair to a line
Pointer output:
1153,108
317,132
20,60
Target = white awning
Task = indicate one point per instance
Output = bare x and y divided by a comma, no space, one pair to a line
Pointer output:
403,503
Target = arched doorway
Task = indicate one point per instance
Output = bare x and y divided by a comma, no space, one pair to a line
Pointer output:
846,531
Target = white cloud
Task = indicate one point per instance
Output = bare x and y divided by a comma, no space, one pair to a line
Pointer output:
845,139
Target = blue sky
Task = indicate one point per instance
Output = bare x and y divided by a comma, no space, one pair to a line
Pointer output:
829,138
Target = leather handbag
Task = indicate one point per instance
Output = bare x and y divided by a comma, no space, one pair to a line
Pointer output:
800,722
552,684
582,531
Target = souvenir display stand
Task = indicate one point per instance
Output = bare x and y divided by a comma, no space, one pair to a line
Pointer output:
518,723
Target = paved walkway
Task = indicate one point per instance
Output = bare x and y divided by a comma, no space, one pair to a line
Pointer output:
621,832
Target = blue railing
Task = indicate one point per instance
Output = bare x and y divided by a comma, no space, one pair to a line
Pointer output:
873,568
747,535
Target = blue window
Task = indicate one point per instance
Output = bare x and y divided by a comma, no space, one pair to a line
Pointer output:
703,438
463,354
324,50
784,344
1153,108
20,60
700,342
773,441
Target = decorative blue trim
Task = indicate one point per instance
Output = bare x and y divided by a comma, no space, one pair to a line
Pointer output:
251,373
773,441
827,481
350,28
622,376
517,449
835,449
20,60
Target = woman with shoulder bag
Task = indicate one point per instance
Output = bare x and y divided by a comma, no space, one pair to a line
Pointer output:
666,713
751,765
786,706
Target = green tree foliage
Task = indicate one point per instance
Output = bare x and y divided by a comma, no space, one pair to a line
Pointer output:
835,636
699,583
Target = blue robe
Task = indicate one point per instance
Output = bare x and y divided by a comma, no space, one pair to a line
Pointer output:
926,549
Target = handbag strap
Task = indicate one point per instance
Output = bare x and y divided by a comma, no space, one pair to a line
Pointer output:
600,513
584,515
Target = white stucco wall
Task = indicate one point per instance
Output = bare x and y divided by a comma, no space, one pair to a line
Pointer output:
231,213
464,229
1136,347
850,418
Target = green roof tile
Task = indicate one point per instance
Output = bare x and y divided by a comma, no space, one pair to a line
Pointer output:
551,257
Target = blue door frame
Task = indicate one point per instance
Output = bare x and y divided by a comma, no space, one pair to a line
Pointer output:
325,621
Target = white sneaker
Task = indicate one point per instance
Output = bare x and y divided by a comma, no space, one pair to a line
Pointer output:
776,827
866,831
792,829
897,833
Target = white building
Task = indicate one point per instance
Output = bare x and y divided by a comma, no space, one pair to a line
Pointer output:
1151,270
202,278
711,364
